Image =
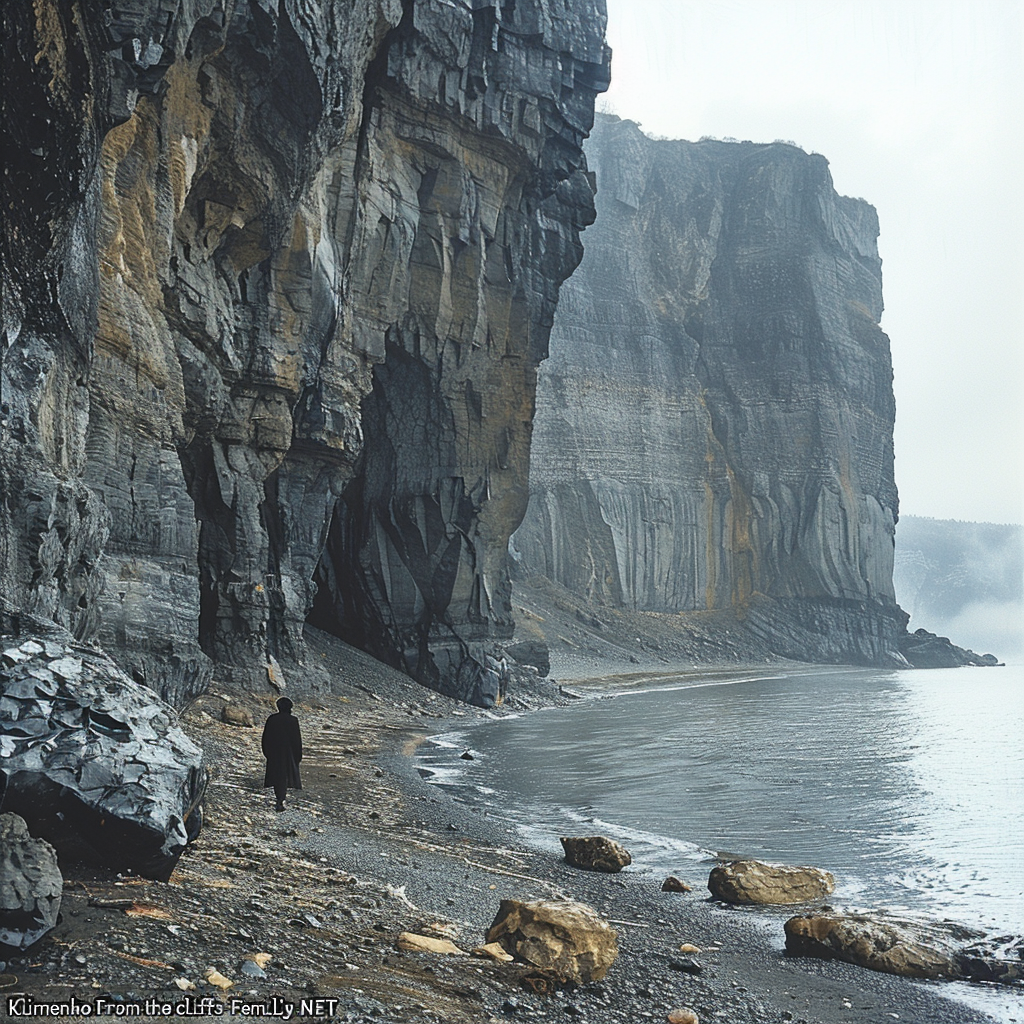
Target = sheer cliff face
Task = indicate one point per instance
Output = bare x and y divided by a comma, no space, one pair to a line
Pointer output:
277,281
715,420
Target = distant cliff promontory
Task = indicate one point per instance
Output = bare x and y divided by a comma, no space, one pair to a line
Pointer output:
715,421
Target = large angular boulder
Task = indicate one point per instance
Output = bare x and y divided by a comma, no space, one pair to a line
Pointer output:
874,941
754,882
595,853
30,886
566,940
531,652
94,762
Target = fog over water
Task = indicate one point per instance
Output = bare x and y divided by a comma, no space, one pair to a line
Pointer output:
964,581
918,107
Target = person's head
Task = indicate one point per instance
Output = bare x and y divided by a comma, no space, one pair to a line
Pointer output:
284,705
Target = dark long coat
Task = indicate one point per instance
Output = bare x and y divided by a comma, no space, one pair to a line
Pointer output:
282,747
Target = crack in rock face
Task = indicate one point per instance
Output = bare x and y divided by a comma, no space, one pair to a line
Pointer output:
96,764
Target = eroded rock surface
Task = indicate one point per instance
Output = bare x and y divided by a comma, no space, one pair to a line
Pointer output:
566,940
278,273
874,942
911,948
30,886
715,420
596,853
754,882
95,763
997,958
531,652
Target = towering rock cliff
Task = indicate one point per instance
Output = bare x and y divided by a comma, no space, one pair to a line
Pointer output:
715,420
277,276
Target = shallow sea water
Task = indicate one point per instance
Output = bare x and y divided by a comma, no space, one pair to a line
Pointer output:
908,786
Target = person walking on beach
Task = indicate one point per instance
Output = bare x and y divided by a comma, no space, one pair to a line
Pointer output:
282,747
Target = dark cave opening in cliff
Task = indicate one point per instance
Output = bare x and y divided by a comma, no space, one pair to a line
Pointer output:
335,606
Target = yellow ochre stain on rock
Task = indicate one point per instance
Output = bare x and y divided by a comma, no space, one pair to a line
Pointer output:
739,515
52,46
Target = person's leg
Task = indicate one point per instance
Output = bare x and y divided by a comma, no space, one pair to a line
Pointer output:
280,792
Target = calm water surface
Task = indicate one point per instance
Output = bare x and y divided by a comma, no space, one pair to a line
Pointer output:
906,785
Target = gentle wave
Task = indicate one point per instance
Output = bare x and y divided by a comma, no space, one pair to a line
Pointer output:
905,787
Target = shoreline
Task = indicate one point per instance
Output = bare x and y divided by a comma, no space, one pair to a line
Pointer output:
369,849
754,934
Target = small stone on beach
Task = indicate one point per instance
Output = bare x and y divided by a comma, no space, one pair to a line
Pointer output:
673,884
684,1015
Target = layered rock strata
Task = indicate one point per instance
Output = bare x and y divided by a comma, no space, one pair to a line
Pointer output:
715,419
279,273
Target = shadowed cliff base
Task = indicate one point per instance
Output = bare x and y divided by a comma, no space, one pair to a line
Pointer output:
580,640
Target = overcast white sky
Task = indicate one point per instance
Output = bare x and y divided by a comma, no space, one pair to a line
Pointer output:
919,107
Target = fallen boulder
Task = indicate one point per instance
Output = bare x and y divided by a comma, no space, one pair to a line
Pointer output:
874,941
596,853
754,882
531,652
30,886
566,940
94,762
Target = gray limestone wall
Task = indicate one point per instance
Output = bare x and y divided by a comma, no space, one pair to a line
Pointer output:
714,423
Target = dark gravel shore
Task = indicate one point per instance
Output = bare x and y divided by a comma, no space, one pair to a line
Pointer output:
744,976
306,905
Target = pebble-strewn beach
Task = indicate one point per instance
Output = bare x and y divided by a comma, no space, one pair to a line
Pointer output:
308,904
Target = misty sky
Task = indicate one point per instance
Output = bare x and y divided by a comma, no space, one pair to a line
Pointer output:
919,107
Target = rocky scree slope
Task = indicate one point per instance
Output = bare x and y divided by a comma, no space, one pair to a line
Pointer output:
277,277
715,420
